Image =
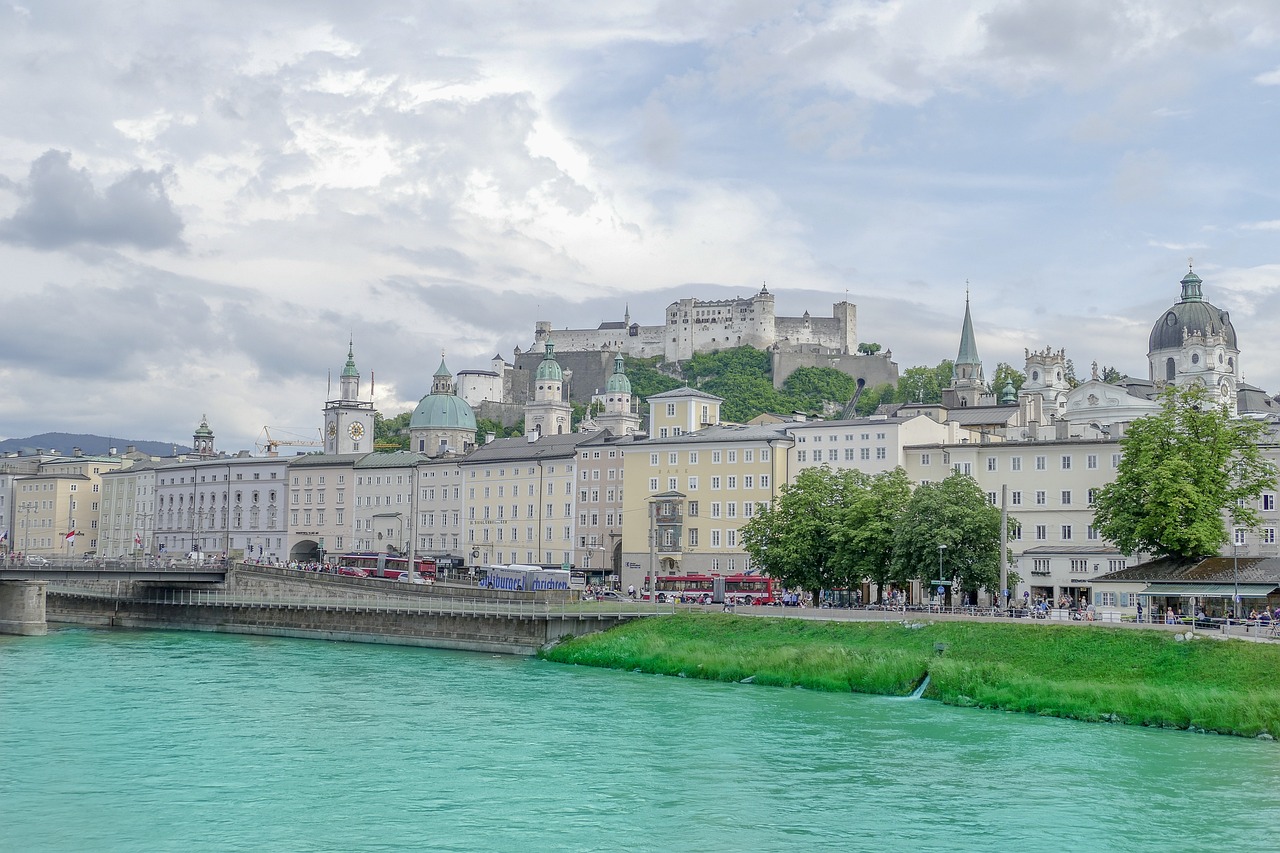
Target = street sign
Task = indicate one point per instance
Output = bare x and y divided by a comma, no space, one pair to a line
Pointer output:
942,590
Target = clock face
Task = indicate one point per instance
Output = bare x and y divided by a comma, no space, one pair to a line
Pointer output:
333,429
356,430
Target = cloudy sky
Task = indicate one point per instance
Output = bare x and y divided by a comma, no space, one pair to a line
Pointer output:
200,202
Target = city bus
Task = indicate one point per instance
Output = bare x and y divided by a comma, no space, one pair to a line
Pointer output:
739,589
386,566
523,578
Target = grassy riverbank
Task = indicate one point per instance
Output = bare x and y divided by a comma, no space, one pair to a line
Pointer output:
1138,677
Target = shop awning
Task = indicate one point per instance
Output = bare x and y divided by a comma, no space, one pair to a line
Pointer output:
1211,590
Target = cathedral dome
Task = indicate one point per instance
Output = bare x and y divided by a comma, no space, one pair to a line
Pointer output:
443,411
1195,316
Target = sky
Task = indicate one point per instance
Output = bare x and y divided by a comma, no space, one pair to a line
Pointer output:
202,203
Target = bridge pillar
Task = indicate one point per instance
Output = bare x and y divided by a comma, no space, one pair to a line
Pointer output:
22,608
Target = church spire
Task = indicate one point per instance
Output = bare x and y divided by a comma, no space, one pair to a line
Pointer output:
968,346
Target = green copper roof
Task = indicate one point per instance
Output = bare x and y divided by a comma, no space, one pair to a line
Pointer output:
443,411
1008,396
442,370
204,430
618,383
350,369
549,368
968,348
1191,287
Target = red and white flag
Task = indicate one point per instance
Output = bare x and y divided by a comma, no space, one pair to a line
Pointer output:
69,536
137,539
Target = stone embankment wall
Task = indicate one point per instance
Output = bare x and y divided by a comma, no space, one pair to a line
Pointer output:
283,602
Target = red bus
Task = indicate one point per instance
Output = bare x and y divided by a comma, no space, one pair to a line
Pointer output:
386,566
697,589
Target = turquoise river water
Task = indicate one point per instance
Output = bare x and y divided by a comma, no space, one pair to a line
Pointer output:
164,741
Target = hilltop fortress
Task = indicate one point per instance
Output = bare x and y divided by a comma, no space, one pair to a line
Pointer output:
696,326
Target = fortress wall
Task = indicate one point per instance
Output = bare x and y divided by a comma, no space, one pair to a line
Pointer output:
876,369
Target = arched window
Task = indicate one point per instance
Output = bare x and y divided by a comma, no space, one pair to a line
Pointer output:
1170,371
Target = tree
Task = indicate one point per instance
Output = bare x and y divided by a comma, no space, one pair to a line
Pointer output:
865,536
807,388
1005,373
1111,375
484,426
795,538
1181,471
872,398
920,384
868,348
389,431
953,513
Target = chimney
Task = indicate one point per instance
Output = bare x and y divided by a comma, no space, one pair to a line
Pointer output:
75,451
489,438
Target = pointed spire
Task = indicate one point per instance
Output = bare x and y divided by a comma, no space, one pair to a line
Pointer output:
350,368
442,370
968,346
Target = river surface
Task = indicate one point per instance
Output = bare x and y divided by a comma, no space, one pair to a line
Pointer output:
165,741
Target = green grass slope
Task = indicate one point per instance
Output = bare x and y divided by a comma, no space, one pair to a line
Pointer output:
1140,677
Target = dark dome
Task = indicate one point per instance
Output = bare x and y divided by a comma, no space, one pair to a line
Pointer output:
1192,314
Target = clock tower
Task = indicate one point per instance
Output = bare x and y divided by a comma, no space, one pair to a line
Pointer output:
348,421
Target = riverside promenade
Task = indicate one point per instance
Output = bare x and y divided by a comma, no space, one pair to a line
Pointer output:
285,602
1237,630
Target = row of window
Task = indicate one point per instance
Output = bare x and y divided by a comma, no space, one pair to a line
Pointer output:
817,438
728,457
851,454
1065,462
749,481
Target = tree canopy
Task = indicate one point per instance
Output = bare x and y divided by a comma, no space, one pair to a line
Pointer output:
795,539
1184,471
949,527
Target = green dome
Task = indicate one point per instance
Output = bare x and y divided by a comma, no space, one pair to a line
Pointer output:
203,430
549,369
443,411
618,383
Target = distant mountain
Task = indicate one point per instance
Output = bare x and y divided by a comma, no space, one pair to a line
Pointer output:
90,445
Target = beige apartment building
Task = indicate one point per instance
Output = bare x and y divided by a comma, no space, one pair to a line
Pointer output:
519,496
1050,486
127,520
724,473
598,551
63,497
321,502
440,530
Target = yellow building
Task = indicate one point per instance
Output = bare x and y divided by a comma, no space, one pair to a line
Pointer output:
62,497
724,473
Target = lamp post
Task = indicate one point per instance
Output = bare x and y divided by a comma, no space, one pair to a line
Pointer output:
941,547
27,508
1235,574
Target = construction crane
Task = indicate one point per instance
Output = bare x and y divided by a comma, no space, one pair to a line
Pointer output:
270,446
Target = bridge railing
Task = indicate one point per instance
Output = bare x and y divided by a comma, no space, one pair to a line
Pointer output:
427,605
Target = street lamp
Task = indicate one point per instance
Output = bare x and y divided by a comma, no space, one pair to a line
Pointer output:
941,547
1235,573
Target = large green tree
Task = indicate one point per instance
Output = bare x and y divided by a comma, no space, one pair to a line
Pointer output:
865,536
949,526
795,539
1183,472
391,431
